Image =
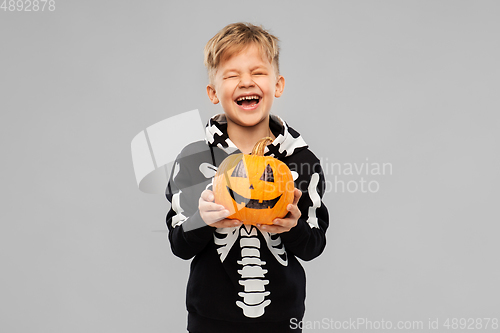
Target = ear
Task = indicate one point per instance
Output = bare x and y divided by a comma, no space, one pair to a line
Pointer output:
212,94
280,86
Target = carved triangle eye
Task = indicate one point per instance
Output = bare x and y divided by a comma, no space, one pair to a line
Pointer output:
239,170
268,175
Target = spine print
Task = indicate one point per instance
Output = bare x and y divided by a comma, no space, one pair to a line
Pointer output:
252,275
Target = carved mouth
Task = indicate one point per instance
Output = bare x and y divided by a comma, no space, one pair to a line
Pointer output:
253,203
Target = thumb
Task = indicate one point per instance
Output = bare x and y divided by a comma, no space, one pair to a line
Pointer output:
296,196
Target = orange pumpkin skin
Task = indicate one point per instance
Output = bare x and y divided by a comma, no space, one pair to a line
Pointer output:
254,188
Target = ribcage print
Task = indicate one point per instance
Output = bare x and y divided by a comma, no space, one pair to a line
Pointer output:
254,297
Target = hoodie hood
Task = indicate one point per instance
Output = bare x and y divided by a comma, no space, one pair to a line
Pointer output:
287,142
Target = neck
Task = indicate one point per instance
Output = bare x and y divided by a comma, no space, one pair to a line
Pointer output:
246,137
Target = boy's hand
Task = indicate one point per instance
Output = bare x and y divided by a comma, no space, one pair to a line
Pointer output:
289,221
214,214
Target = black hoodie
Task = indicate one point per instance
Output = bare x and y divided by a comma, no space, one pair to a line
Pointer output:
242,279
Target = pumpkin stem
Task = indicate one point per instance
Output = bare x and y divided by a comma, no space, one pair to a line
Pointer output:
259,147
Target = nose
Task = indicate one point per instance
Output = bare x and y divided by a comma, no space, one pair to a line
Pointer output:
246,81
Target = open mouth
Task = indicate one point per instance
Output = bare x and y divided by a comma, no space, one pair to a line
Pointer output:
253,203
248,102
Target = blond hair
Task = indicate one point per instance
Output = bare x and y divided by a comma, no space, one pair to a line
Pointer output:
235,37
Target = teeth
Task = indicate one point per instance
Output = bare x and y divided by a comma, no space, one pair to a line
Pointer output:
247,97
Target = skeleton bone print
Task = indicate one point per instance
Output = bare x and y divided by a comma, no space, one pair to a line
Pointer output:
255,296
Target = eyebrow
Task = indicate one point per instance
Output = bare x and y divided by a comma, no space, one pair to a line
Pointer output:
229,71
256,68
237,71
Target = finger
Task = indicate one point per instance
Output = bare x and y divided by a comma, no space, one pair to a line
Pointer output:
296,196
206,206
207,195
213,217
295,211
286,223
226,223
276,229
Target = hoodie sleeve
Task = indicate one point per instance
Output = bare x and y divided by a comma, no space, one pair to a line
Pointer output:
307,239
188,233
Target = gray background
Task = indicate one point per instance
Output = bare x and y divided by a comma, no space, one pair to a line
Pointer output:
411,83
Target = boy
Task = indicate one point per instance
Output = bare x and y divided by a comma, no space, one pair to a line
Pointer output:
245,278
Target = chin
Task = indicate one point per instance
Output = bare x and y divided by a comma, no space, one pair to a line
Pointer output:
249,120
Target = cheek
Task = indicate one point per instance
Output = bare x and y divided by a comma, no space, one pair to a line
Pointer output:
269,85
227,90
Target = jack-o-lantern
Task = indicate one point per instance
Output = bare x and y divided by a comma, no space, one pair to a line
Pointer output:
254,188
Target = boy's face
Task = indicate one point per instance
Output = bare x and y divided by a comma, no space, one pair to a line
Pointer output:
245,85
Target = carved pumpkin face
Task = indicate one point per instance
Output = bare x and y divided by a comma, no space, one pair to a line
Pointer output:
255,189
